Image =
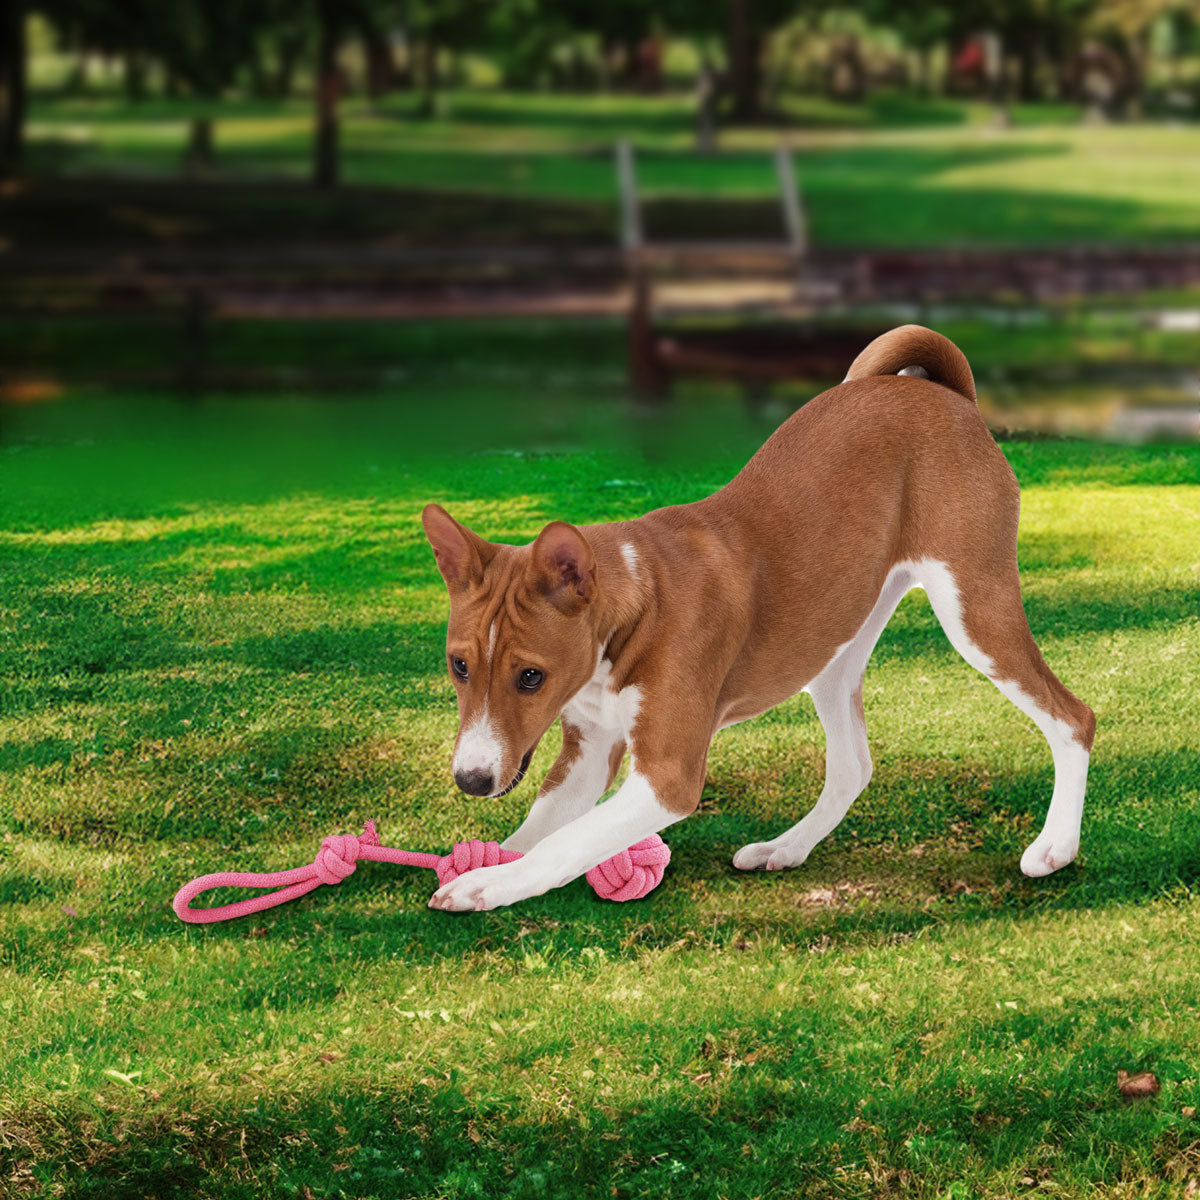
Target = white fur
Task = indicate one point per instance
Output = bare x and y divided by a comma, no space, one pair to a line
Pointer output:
836,696
630,554
598,705
634,813
583,786
603,716
847,757
1058,843
478,749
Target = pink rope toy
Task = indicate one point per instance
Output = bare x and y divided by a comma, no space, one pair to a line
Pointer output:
629,875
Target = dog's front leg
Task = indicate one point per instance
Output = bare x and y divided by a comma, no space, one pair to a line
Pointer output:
585,767
645,804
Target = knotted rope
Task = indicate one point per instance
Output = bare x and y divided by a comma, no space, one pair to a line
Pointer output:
629,875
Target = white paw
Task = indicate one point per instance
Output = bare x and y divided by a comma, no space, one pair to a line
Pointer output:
485,888
771,856
754,856
1048,854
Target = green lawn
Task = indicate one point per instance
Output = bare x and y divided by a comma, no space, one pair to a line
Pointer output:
896,172
222,640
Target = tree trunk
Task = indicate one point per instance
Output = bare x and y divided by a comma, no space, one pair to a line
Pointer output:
325,164
429,75
925,69
706,108
381,67
260,83
12,85
198,158
1028,58
135,77
745,67
285,74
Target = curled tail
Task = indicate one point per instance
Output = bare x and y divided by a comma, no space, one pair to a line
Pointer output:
915,350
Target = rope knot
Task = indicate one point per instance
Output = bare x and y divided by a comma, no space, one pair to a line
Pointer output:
467,856
633,873
336,857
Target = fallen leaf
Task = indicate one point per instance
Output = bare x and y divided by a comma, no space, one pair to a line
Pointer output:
329,1056
1138,1087
1189,1111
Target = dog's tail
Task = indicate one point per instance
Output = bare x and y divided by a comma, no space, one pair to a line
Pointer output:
915,350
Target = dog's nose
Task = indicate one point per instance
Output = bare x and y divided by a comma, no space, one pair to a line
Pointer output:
474,783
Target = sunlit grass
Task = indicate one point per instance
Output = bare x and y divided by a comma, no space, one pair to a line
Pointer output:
222,640
894,173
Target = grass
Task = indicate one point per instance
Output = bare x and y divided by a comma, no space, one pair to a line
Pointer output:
222,641
894,172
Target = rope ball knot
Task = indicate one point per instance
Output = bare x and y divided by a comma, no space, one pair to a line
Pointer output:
633,873
336,857
468,856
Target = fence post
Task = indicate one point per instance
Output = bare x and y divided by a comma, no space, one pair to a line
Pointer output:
793,208
631,215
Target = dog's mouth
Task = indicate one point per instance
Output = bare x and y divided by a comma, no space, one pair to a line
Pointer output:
519,775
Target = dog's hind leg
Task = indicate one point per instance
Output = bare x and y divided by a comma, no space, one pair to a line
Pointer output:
982,614
837,697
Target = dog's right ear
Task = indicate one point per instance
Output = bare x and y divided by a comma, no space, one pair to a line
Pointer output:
461,555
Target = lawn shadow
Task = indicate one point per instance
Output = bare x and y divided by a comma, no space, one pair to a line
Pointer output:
448,1135
869,882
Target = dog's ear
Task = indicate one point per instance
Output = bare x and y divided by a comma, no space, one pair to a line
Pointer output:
562,567
461,555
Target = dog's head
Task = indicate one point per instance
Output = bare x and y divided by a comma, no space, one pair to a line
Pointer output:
519,643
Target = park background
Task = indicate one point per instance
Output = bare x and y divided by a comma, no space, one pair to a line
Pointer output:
274,277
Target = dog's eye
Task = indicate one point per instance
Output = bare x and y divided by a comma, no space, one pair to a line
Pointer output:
459,667
530,679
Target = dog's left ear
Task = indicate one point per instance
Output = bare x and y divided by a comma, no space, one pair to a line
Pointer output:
461,554
562,567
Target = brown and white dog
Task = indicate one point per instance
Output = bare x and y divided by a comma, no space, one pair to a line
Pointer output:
648,636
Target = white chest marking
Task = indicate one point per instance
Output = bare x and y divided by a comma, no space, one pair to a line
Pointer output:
478,748
598,705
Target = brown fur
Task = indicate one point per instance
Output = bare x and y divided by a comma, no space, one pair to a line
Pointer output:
740,599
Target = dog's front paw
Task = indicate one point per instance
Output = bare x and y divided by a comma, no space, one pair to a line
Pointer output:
483,888
1049,854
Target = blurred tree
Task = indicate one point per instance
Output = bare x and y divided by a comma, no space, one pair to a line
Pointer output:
442,25
923,25
745,26
522,36
328,92
12,85
373,23
200,44
1131,23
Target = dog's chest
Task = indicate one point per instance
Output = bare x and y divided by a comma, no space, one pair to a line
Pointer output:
600,705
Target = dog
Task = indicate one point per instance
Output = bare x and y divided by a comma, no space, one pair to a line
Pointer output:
648,636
